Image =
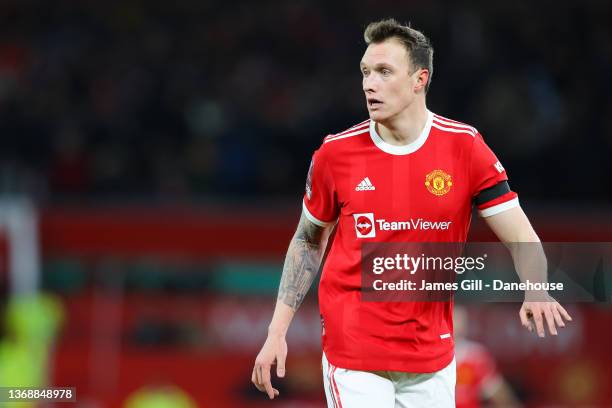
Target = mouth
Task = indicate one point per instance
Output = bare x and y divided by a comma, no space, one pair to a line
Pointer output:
374,103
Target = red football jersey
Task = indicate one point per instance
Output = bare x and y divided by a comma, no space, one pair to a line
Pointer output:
378,192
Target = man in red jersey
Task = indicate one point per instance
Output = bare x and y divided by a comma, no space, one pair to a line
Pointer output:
404,175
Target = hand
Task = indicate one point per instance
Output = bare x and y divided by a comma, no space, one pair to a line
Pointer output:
274,351
534,313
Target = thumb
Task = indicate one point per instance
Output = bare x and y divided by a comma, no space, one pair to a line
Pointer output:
280,366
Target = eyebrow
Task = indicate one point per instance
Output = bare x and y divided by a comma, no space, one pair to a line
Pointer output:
378,65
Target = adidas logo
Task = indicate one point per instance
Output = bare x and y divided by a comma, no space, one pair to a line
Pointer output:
365,185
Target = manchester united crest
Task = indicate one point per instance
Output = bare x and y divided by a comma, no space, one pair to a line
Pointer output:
438,182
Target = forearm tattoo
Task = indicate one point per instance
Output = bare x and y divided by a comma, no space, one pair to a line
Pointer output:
301,264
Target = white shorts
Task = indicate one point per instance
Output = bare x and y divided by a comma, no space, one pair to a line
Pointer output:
388,389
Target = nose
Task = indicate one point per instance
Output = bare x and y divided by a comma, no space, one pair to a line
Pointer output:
369,84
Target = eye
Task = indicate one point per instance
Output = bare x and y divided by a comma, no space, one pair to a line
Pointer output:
364,72
386,72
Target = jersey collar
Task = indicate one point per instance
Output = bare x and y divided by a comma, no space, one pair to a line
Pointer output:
404,149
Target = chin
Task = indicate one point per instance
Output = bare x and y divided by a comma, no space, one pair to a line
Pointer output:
378,116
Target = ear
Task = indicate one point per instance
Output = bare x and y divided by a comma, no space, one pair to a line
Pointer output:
422,79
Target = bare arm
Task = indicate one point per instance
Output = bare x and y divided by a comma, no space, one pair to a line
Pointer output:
514,229
512,226
301,267
301,263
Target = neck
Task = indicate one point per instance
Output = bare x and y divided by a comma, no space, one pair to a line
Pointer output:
405,127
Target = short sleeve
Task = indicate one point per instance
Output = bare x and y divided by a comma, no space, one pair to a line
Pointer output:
489,181
320,199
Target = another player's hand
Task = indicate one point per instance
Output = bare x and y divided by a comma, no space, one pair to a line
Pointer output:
541,308
274,351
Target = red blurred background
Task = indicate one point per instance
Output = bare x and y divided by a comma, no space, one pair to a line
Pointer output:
121,335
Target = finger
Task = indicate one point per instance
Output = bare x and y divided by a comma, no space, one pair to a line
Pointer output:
524,319
262,386
265,381
280,365
537,318
258,379
558,318
525,315
550,321
564,313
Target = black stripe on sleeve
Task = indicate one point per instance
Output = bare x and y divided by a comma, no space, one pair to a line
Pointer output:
492,193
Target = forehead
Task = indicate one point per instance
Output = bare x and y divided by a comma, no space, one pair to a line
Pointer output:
391,52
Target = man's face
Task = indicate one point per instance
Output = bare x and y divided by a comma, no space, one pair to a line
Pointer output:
387,81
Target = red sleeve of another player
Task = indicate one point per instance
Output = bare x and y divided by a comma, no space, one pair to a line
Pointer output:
320,199
489,181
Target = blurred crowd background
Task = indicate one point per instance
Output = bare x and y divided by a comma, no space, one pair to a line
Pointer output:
207,99
160,151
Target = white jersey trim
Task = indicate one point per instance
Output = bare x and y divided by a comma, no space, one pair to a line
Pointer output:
404,149
499,208
450,122
314,219
361,126
350,134
454,130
